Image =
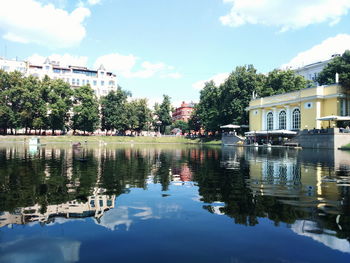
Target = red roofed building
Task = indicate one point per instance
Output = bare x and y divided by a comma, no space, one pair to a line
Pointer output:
183,113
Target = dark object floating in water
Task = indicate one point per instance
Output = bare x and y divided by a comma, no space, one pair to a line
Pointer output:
76,144
165,195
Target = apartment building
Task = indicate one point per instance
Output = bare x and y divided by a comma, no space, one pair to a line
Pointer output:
100,80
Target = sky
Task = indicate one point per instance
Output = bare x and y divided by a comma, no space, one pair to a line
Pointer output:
173,47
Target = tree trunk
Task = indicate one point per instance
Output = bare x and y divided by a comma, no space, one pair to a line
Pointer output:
53,132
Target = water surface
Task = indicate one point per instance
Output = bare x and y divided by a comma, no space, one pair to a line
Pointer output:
173,203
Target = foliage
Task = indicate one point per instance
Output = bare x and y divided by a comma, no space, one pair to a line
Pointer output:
162,112
282,81
208,107
182,125
31,103
59,101
85,110
194,123
340,65
139,115
113,110
227,103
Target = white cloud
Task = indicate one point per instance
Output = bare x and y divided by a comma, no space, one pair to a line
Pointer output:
175,75
286,14
94,2
128,67
218,80
64,60
320,52
121,64
28,21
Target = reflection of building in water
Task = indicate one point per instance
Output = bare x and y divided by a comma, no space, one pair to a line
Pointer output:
94,207
182,173
231,158
326,237
286,172
307,178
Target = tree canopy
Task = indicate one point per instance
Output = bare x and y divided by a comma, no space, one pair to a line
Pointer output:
85,110
162,111
227,103
340,65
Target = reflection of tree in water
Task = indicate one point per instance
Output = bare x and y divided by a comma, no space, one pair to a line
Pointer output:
47,179
217,184
123,167
56,177
21,184
164,164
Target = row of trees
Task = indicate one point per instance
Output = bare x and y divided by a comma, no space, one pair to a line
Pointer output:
51,104
224,104
227,103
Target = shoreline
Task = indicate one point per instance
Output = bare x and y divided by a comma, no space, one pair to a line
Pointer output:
8,139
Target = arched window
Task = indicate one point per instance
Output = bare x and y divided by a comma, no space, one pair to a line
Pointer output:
296,119
269,121
282,120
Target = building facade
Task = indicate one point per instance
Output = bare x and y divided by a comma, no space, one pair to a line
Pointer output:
13,65
299,109
100,80
311,71
183,113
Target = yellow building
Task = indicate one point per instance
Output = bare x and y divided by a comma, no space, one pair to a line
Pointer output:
299,109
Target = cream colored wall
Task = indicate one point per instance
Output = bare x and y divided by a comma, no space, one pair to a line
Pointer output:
331,90
329,107
255,120
308,116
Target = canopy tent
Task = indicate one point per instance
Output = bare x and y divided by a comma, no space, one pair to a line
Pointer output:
230,126
334,118
273,132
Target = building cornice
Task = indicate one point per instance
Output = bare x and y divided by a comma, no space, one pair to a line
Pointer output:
298,100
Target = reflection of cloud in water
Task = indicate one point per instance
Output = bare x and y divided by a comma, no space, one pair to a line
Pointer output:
126,215
326,237
40,250
116,217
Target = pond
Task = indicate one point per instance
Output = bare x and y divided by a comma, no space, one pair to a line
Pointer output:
173,203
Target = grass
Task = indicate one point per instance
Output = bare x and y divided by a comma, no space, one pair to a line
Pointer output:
110,139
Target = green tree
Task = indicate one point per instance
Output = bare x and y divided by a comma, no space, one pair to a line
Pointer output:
236,93
15,99
85,110
282,81
113,110
194,123
6,113
208,109
340,65
182,125
139,115
59,98
162,111
33,113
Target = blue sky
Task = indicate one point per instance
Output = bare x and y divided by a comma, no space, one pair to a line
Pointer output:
172,46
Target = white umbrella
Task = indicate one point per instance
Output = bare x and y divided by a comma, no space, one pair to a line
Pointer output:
230,126
334,118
